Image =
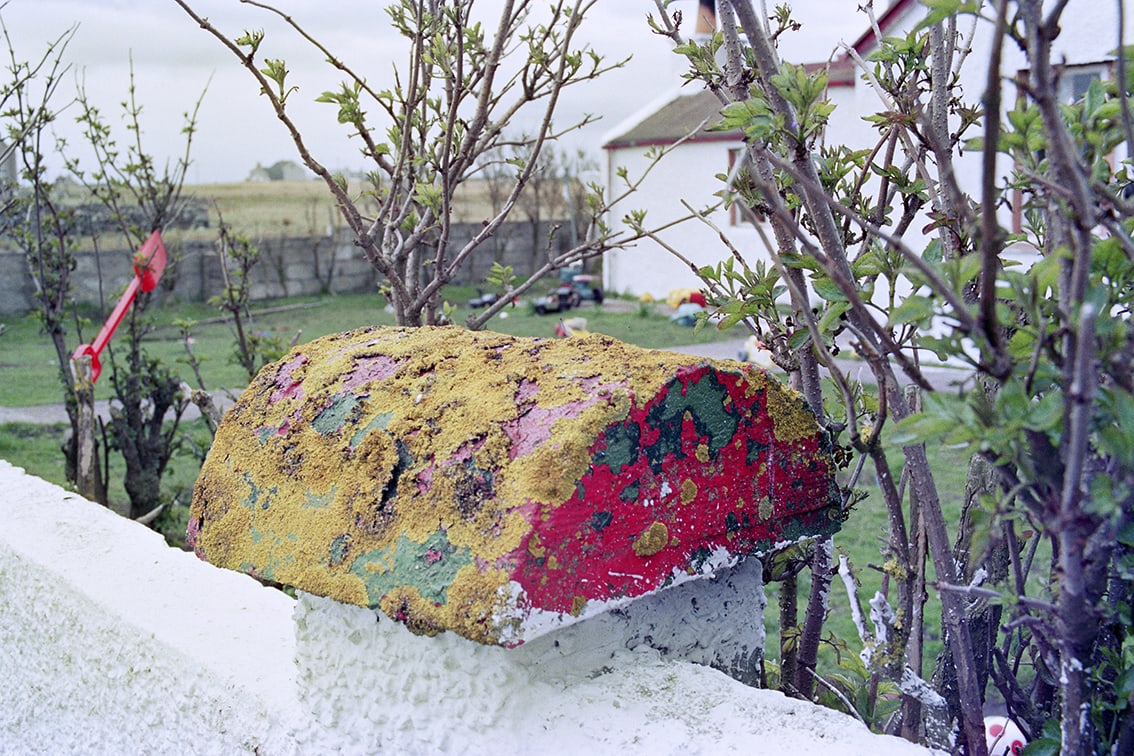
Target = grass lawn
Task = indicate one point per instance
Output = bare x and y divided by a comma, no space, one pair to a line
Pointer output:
29,370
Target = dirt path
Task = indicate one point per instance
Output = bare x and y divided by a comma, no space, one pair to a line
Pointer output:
53,414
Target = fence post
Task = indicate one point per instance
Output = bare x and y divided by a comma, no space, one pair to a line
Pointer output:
87,477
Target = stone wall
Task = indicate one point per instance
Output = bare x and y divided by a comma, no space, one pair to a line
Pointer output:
290,266
112,643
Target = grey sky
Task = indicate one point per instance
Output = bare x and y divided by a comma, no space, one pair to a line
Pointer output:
174,60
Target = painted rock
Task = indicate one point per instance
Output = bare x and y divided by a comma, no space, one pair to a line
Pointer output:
501,487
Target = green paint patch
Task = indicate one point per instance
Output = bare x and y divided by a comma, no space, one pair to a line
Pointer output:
600,521
705,401
622,443
313,500
335,415
755,450
429,567
380,422
249,568
257,497
339,549
698,557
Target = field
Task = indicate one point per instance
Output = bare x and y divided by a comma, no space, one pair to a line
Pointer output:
273,208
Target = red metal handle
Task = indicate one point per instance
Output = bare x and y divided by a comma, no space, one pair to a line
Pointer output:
149,262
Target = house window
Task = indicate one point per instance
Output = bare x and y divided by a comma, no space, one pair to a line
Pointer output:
1074,81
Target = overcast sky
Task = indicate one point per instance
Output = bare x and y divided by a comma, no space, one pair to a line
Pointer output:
174,61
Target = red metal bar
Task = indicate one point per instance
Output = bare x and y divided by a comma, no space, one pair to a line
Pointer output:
149,263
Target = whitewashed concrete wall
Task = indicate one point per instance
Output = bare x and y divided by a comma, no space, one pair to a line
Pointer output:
112,643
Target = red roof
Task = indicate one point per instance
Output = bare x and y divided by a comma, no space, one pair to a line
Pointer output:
683,114
885,22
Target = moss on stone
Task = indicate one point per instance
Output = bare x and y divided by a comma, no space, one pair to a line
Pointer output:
653,540
414,469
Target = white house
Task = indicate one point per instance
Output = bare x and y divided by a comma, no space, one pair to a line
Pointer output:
1085,48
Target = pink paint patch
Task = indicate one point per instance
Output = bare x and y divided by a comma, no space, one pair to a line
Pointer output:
366,369
425,479
533,426
433,556
526,392
282,430
287,387
191,534
465,452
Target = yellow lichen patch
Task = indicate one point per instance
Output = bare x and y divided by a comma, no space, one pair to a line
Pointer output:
653,540
225,542
577,605
406,605
476,598
765,508
549,473
791,419
377,457
688,491
496,533
702,453
535,548
341,587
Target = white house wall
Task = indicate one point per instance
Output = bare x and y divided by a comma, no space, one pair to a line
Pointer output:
689,174
1089,34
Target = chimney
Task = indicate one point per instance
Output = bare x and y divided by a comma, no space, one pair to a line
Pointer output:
706,18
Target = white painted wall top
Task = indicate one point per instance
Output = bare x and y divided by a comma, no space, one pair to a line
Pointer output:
112,643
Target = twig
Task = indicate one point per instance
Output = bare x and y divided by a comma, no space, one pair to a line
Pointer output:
150,516
990,226
838,694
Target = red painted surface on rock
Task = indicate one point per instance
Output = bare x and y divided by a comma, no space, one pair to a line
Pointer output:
631,525
499,487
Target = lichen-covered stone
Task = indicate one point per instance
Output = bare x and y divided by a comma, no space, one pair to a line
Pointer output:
500,487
